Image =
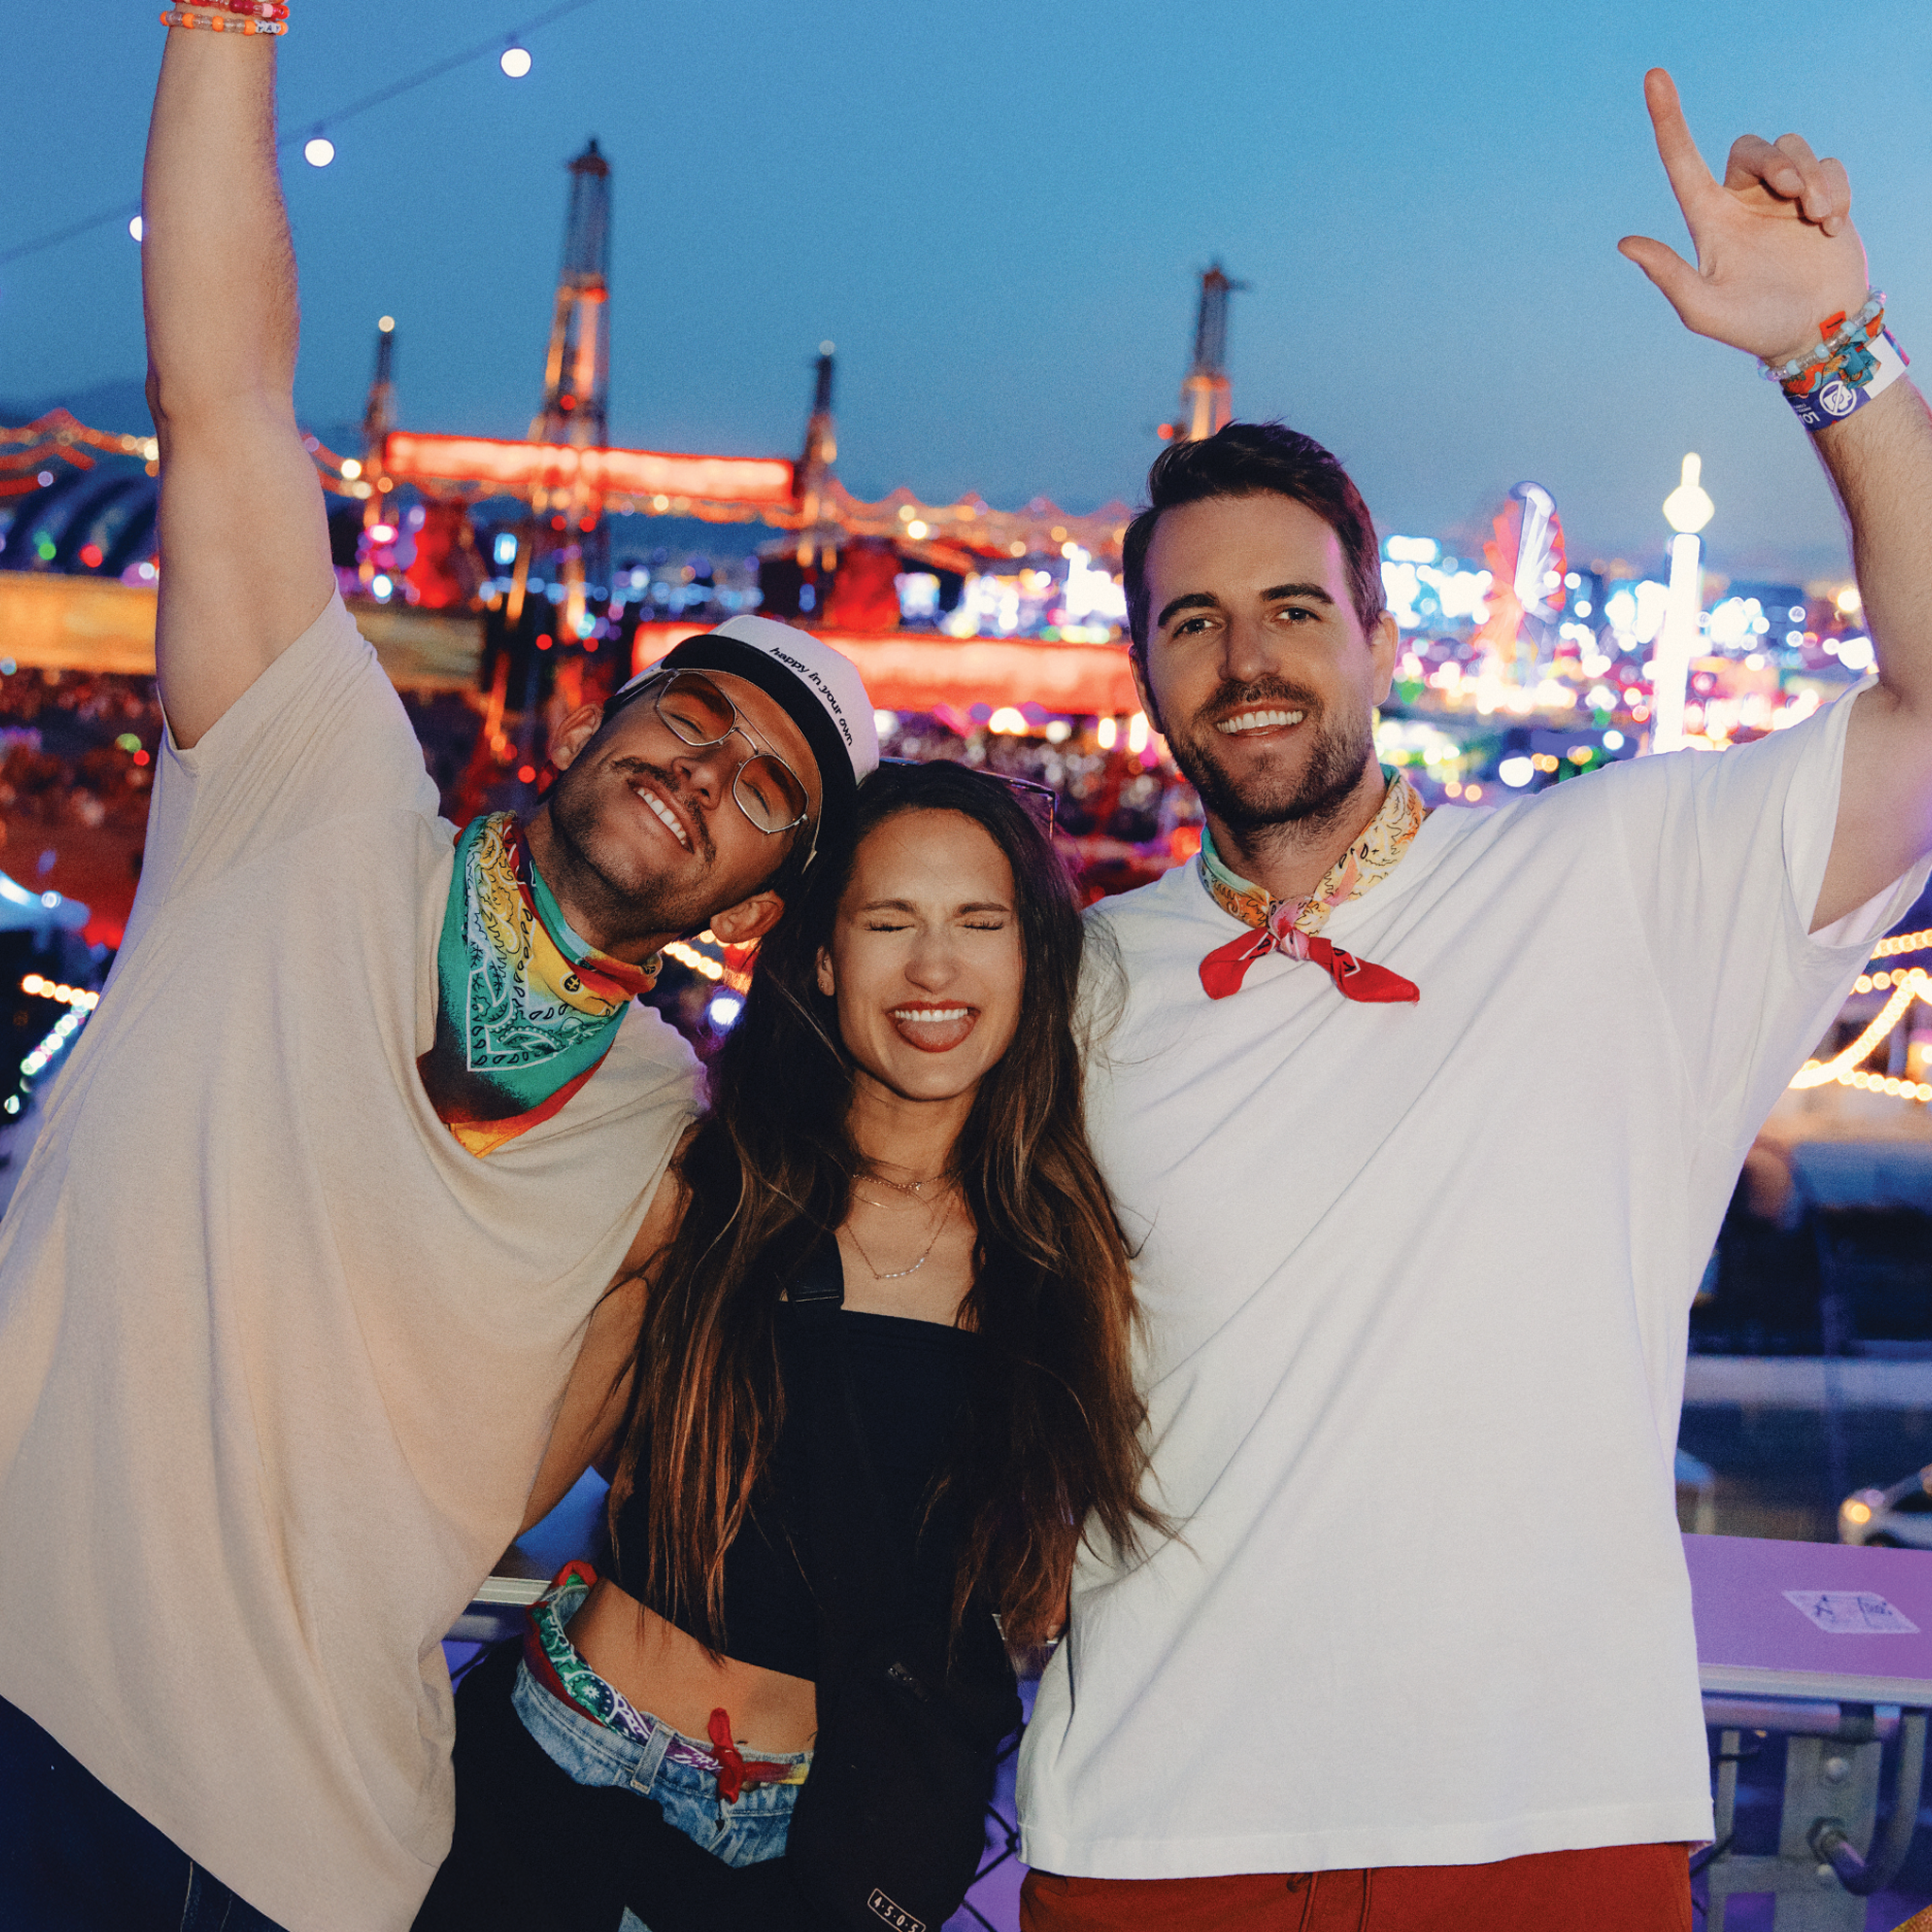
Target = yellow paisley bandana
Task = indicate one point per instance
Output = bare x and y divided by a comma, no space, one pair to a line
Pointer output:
1293,925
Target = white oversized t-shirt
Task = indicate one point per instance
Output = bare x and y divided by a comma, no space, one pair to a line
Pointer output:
1415,1281
277,1356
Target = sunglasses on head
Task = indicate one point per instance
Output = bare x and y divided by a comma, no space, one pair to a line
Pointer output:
1036,799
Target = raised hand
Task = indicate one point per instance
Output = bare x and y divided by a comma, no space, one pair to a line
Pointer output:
1777,252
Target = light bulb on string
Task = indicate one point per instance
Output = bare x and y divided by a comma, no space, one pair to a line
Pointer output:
317,150
134,227
515,61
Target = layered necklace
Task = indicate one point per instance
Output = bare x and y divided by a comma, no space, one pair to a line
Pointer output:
915,1198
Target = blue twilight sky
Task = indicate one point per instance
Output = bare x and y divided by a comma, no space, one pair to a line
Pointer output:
998,212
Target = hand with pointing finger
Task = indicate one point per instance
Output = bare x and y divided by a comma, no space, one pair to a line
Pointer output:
1777,252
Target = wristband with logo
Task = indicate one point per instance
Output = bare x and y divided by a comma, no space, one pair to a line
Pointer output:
1854,361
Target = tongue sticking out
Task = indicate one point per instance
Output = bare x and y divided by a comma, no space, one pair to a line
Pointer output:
932,1029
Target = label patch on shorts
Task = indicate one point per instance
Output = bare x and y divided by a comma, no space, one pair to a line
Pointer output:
897,1917
1852,1613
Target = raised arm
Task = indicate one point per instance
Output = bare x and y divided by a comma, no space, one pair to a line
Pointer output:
243,537
1777,256
588,1428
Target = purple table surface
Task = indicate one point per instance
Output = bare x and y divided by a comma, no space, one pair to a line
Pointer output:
1752,1641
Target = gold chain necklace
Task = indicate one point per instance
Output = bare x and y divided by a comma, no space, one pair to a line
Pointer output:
932,1242
911,1188
890,1206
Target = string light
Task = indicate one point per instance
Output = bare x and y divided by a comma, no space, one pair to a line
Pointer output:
1843,1069
493,48
56,1042
75,996
57,434
1904,943
705,966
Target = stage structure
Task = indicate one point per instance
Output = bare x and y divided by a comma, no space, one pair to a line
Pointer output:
1207,398
570,479
378,419
566,519
744,489
380,411
818,535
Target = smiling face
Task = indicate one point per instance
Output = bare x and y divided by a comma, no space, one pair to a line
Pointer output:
646,837
925,961
1257,670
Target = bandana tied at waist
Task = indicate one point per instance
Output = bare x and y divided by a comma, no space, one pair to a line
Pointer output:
525,1010
1293,927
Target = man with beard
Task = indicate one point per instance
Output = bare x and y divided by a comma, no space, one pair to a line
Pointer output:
1424,1125
366,1120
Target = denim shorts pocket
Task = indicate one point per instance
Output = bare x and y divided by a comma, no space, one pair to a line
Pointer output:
744,1833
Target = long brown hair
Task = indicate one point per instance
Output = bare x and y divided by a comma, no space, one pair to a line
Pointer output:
1052,1449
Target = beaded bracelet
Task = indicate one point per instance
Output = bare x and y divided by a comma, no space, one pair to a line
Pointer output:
1849,356
1829,345
221,24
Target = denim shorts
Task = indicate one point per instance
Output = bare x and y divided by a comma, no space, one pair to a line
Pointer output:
744,1831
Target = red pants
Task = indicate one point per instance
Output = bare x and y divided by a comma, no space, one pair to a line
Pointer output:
1630,1888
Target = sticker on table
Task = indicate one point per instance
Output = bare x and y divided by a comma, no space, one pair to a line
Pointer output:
1852,1613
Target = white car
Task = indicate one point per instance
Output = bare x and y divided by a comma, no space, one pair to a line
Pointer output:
1895,1518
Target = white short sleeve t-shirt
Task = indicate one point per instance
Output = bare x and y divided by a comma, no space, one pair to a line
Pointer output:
1415,1281
277,1356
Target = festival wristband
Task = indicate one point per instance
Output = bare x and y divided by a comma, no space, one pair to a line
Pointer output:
1850,380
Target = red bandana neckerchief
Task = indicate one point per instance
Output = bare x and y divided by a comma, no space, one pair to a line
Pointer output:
1293,927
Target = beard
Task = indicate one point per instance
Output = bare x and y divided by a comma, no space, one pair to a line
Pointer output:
1260,800
597,869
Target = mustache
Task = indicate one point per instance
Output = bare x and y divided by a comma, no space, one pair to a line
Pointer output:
1234,695
634,768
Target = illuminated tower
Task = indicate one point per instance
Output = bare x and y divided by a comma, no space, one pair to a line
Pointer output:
818,536
378,419
576,377
1686,509
1205,406
566,513
379,412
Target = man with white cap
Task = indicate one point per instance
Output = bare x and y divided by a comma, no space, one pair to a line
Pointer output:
366,1120
743,735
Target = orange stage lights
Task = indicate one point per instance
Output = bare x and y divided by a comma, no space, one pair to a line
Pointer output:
516,469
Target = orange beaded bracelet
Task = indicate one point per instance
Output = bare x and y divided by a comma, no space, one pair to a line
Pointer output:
223,24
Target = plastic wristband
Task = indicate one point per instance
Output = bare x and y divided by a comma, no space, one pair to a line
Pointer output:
1854,377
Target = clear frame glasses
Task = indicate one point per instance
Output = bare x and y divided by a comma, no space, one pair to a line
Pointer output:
765,789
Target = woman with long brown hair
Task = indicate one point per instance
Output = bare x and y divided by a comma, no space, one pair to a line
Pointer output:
892,1225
